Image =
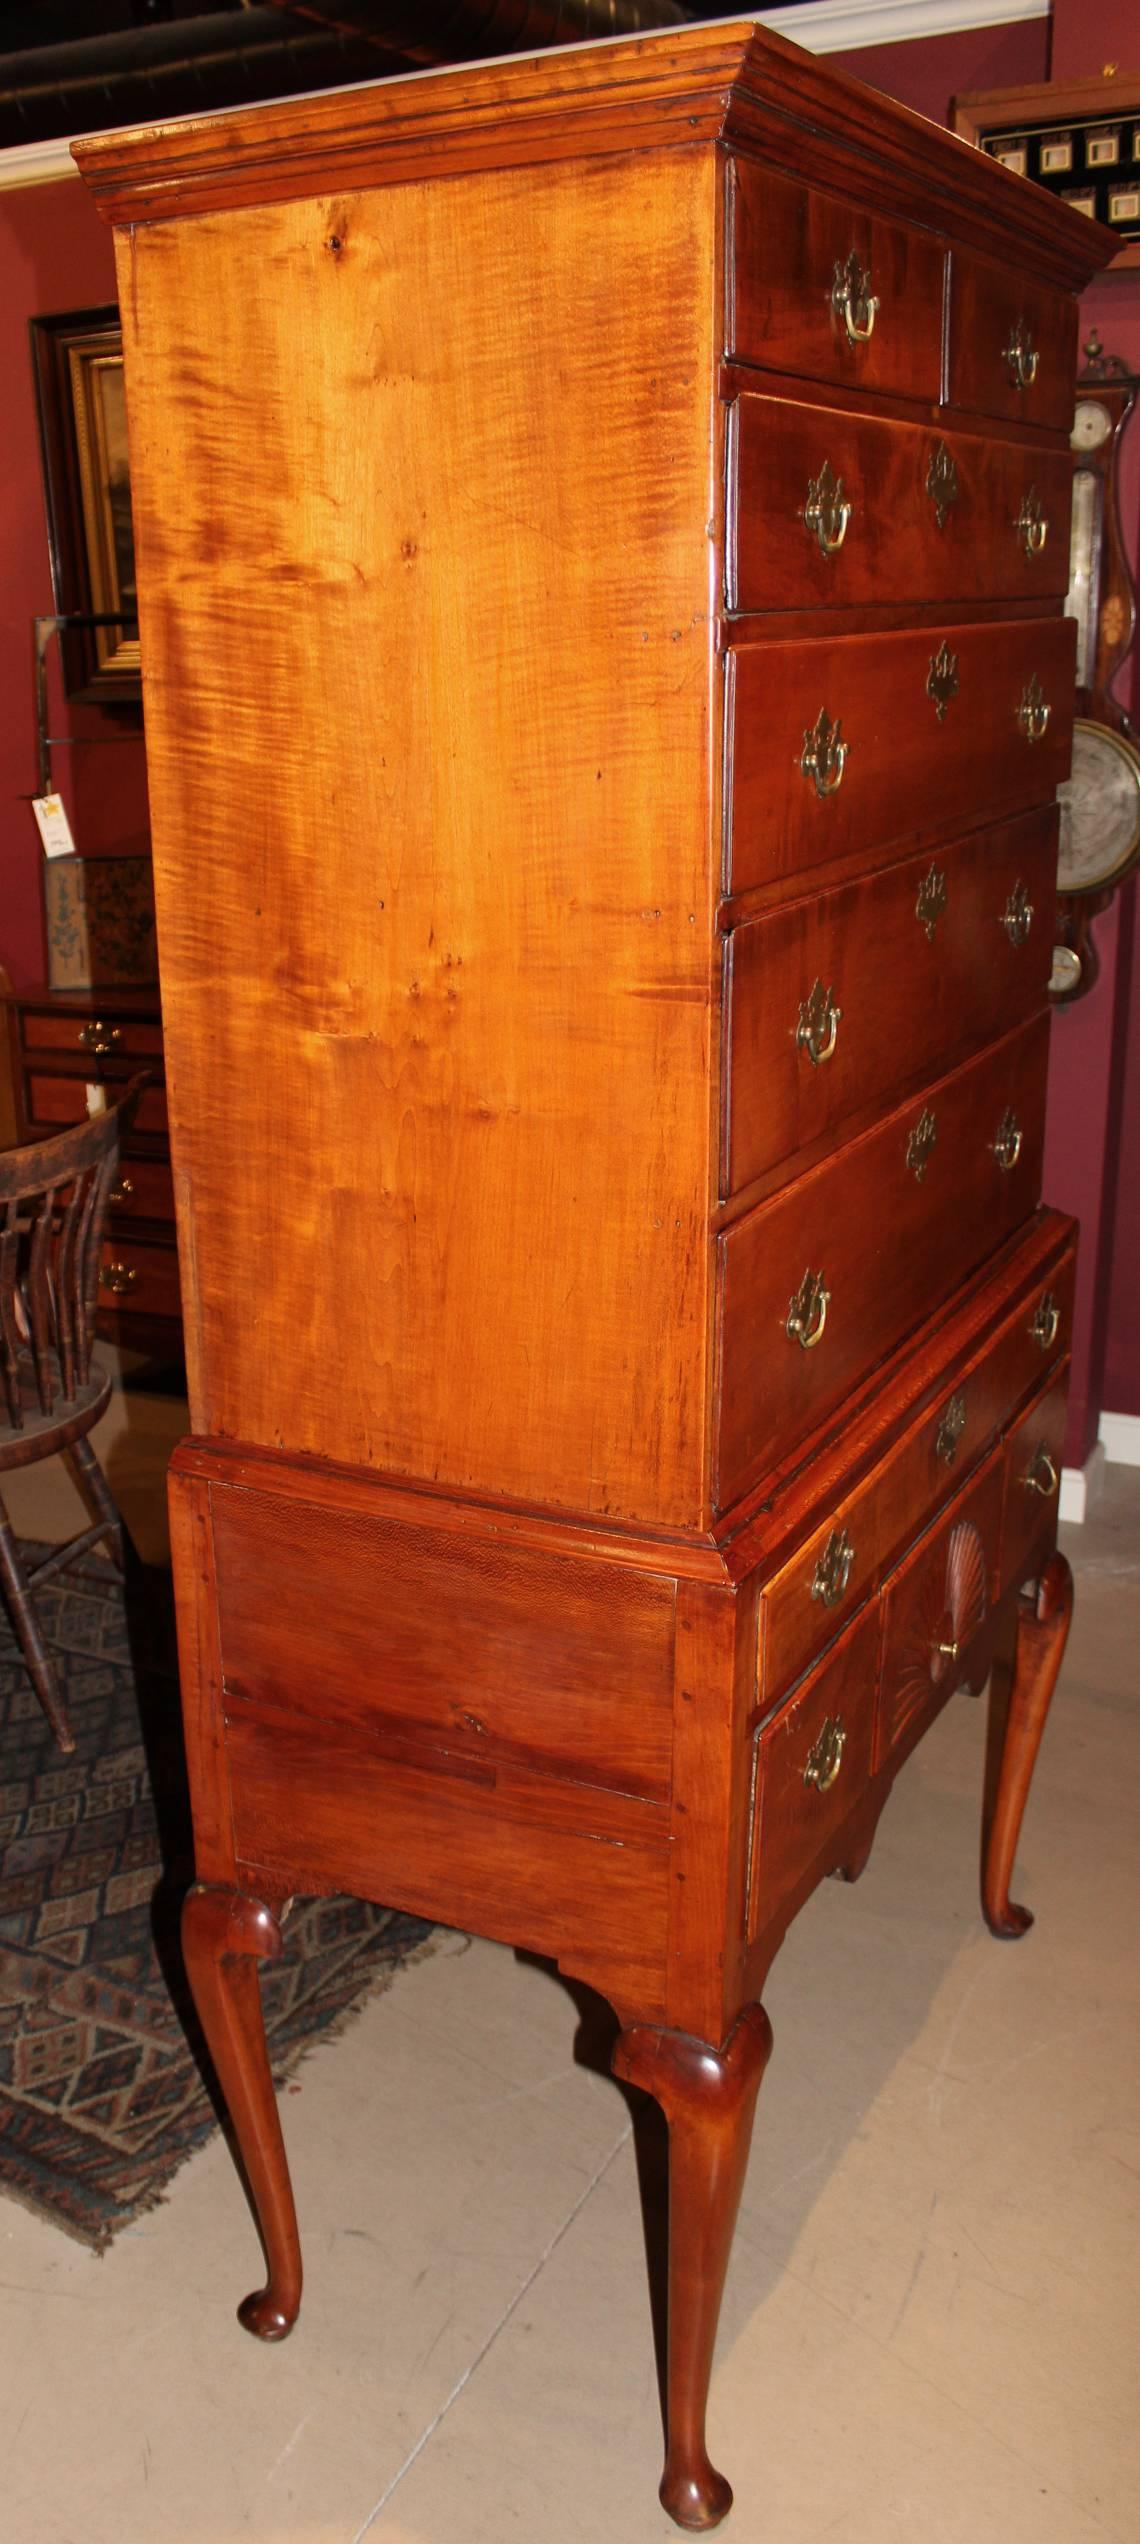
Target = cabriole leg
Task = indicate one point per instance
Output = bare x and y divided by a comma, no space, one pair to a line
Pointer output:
1043,1624
224,1936
708,2097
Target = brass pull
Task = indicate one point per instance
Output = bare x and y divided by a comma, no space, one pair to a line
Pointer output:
98,1037
1021,356
950,1428
932,896
1047,1322
825,1757
1017,916
923,1139
824,755
833,1571
1041,1475
818,1024
1033,713
942,679
122,1193
942,484
948,1651
1032,523
853,299
1006,1147
119,1277
826,512
807,1312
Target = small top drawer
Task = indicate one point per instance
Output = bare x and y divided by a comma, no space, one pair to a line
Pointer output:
816,288
93,1037
1013,345
830,510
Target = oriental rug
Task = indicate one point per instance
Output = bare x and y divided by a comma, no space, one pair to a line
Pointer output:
105,2086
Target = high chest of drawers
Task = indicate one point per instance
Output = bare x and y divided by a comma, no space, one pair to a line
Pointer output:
602,526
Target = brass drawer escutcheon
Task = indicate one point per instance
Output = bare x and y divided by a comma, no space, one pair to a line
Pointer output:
942,484
932,897
923,1139
942,679
1006,1147
807,1312
1047,1322
825,1757
853,299
1017,916
827,512
950,1428
1041,1474
1021,356
833,1571
1033,713
818,1025
824,755
1032,523
99,1037
119,1278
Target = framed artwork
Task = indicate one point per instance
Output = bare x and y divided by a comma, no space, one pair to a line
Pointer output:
77,358
1081,141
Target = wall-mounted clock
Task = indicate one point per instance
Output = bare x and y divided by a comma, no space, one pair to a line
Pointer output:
1100,803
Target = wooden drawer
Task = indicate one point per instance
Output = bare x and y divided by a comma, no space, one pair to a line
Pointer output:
1013,345
788,264
909,773
469,1658
813,1761
935,1603
856,975
95,1037
143,1278
51,1100
893,548
1034,1456
839,1564
886,1244
144,1190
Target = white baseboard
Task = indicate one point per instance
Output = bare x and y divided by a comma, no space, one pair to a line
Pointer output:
1082,1486
1119,1436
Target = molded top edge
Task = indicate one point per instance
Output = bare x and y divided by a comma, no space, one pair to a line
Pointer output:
688,86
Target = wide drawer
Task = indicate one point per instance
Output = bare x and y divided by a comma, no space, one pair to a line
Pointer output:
95,1037
932,516
141,1277
144,1189
817,1285
802,269
935,1603
64,1099
838,1565
938,729
1013,344
835,1004
1034,1456
813,1761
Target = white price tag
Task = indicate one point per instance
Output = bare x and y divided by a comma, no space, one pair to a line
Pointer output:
54,826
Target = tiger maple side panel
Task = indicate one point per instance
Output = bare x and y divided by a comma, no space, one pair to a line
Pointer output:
424,487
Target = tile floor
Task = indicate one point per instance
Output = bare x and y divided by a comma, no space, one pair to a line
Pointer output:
930,2326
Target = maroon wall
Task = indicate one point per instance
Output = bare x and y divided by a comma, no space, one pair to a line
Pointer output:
926,75
55,254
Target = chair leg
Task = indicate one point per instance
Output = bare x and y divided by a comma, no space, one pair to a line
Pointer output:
97,1493
18,1600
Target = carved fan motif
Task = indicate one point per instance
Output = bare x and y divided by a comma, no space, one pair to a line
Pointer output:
945,1618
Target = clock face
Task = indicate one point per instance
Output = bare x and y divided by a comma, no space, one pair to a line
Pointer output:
1100,810
1092,425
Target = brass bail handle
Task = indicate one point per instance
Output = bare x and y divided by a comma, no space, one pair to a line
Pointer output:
807,1312
1006,1146
824,755
1032,523
833,1571
1041,1474
1021,356
825,1757
819,1022
1046,1323
1017,916
853,299
1034,711
827,510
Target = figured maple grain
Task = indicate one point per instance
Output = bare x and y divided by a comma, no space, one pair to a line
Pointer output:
428,696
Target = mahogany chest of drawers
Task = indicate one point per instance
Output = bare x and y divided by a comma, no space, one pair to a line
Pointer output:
602,526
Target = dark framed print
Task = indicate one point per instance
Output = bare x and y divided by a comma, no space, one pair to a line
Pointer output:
77,357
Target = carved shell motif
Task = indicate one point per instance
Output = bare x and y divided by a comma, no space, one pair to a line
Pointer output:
944,1622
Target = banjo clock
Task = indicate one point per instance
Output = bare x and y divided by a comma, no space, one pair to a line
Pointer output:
1100,802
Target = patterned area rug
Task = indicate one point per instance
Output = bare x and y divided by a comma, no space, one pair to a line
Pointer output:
101,2062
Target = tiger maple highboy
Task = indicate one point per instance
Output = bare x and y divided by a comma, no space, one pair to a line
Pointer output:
606,684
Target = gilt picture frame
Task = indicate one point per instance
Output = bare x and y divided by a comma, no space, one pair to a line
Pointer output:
77,360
